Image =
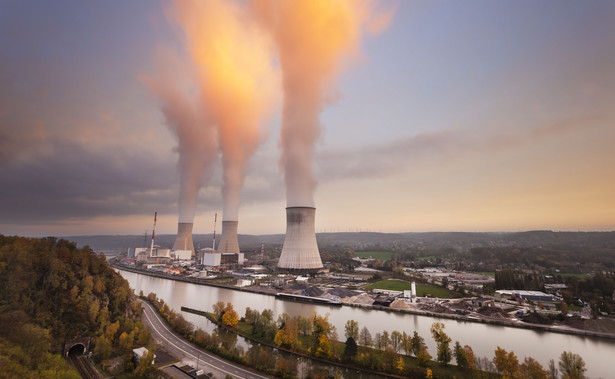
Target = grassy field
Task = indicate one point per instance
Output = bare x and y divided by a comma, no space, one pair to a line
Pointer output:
569,274
421,289
382,255
488,273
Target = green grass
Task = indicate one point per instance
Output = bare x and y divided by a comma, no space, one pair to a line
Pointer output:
488,273
421,289
382,255
570,274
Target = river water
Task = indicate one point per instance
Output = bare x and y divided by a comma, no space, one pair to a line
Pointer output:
540,345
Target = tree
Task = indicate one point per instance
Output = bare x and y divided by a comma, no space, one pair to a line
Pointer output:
365,337
386,340
531,369
322,327
563,308
396,340
230,318
443,341
460,355
219,309
400,365
406,343
389,358
506,363
553,370
378,341
470,357
423,356
417,343
571,365
351,330
351,349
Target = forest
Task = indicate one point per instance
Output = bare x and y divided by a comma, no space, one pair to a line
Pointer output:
52,292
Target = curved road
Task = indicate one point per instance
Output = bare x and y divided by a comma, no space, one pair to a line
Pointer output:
190,354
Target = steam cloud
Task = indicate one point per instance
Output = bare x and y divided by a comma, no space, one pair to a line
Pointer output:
233,60
315,39
197,144
232,47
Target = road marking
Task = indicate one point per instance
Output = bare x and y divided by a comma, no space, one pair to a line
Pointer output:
204,353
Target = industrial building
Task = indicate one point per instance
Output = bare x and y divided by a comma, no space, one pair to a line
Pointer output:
212,258
300,251
528,295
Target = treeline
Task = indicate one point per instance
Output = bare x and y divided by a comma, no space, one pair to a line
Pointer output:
316,336
51,292
541,259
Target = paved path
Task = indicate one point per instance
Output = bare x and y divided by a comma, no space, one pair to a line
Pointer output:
190,354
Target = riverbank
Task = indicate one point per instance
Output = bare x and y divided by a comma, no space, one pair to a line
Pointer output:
483,320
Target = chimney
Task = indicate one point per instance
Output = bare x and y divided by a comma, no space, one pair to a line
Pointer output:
184,237
300,251
228,241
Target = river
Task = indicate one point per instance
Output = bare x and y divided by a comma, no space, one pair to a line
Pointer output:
483,338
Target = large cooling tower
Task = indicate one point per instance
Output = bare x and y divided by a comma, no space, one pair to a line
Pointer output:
184,237
300,251
228,241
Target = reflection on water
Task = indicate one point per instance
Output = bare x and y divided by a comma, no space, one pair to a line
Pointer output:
483,338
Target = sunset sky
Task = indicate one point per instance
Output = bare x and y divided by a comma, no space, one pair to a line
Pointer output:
460,116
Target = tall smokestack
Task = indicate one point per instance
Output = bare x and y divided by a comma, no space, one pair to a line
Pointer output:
184,237
228,241
300,251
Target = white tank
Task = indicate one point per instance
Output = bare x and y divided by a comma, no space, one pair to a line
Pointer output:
184,237
300,251
228,241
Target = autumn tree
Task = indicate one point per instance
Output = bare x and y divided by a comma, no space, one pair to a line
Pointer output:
230,318
470,357
506,363
531,369
321,327
287,335
443,342
571,365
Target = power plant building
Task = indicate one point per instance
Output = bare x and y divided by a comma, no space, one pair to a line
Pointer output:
300,250
211,258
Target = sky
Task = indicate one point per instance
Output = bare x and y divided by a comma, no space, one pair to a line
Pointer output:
460,116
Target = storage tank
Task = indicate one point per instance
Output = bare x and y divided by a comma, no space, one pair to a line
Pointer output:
300,250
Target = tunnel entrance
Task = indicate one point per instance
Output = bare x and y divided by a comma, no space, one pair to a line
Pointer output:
77,349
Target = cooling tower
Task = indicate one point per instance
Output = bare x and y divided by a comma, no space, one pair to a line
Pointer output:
300,251
184,237
228,241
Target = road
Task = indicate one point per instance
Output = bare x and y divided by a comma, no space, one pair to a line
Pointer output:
190,354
